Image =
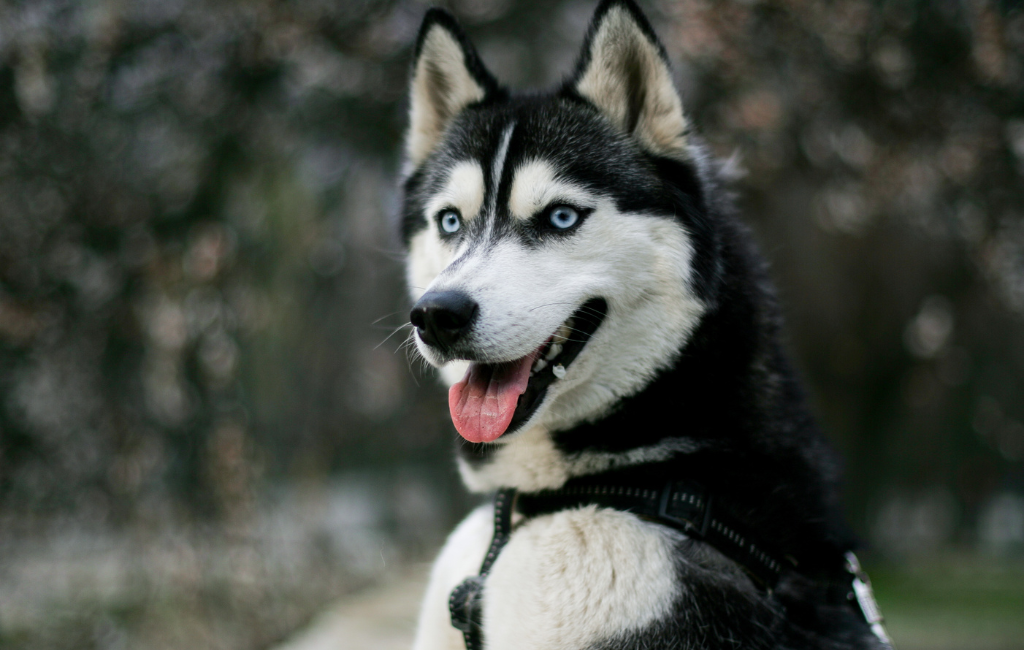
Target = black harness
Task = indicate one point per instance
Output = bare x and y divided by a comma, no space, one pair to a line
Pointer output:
682,505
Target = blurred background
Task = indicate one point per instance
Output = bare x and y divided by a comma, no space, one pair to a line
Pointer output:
209,430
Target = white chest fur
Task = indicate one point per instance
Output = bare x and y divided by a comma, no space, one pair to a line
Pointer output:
564,581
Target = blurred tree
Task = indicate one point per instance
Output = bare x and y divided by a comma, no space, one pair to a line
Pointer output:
197,266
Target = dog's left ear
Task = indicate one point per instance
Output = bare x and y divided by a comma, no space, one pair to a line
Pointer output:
623,70
447,76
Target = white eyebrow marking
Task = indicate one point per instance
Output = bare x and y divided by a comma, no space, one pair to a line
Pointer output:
464,190
499,167
536,185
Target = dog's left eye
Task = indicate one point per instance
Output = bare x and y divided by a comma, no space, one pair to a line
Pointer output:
563,217
450,221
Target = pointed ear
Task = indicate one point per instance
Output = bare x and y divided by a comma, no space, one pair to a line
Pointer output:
623,70
447,76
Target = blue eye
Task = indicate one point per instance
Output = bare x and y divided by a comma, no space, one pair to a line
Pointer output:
450,221
563,217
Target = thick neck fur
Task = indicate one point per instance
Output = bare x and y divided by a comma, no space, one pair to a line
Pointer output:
729,413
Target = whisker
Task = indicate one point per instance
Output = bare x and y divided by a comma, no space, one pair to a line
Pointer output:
394,313
583,310
406,347
393,254
410,359
395,331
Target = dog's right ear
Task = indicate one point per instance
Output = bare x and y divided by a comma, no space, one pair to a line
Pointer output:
447,77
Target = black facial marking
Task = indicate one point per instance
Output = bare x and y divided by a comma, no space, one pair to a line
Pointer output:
570,135
412,221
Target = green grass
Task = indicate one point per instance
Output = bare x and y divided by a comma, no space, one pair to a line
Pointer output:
952,602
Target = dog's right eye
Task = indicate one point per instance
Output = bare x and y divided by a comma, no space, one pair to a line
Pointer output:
450,221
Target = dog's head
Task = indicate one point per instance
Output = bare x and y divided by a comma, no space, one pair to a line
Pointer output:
558,253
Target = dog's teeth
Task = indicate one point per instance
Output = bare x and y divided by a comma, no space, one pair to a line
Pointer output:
562,334
558,370
538,365
553,351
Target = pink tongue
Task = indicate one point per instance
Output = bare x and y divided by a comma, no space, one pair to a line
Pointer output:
482,403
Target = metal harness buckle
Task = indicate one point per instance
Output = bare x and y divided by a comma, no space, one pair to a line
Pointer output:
866,598
702,500
464,605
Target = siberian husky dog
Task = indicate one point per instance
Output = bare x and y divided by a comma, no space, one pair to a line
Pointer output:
605,324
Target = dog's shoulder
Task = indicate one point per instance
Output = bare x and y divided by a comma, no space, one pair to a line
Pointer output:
577,577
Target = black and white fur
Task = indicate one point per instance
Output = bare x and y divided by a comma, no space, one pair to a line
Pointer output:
684,376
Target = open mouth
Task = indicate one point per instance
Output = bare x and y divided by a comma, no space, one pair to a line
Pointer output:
494,399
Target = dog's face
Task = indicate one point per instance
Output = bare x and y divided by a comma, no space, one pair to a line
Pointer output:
551,268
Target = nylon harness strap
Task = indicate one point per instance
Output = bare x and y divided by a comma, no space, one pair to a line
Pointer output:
681,505
466,600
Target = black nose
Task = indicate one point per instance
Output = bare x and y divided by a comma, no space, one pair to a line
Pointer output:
442,317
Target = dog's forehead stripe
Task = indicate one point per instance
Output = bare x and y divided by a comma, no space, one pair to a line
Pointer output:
465,187
498,168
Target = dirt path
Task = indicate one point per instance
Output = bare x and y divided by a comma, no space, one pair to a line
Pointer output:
380,618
